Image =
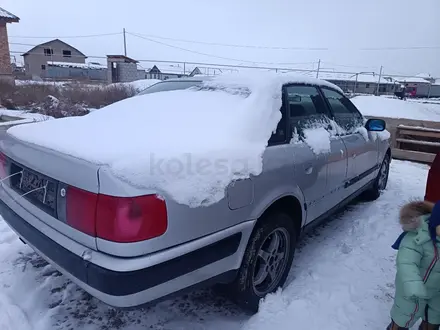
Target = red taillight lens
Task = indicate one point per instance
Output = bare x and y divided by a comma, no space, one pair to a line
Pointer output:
3,169
116,219
130,219
81,210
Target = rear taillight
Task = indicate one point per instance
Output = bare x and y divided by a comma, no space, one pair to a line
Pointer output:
134,219
116,219
81,210
3,166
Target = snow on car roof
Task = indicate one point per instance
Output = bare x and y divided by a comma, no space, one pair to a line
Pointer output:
188,145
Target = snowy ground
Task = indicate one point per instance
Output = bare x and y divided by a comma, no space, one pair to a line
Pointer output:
342,279
394,108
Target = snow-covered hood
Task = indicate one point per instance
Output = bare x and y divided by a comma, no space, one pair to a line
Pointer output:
411,214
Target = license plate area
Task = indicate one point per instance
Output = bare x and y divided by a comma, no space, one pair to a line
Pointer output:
35,187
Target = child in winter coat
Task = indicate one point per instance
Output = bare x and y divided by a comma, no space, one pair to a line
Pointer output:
418,268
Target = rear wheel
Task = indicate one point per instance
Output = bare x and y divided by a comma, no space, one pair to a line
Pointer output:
381,181
266,262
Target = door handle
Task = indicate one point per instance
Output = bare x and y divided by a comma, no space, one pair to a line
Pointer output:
309,170
354,155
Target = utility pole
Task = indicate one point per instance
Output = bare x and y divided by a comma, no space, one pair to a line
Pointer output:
356,82
319,67
378,82
125,42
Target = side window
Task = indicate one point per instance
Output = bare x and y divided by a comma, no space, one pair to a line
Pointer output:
306,108
345,113
280,134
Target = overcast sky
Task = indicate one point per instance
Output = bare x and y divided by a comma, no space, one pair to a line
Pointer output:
343,30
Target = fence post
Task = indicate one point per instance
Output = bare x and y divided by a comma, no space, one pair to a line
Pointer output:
378,82
355,83
319,67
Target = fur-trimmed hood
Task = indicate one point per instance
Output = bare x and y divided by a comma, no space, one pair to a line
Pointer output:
411,213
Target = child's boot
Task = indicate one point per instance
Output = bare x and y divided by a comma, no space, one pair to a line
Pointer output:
394,326
428,326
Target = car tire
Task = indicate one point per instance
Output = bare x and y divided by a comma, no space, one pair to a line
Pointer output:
381,181
270,252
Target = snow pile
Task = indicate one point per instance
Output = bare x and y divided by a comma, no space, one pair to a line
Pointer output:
41,82
187,144
318,139
92,66
142,84
394,108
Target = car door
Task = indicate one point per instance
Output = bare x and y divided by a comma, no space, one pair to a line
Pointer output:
307,112
361,148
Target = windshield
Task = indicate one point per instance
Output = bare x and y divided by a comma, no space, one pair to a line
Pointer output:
171,86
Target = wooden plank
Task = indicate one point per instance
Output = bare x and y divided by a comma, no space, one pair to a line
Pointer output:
419,133
416,128
417,156
422,143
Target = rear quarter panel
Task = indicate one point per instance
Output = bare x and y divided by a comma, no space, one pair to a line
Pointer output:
186,224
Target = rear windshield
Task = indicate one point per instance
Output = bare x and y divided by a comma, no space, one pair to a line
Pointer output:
195,85
171,86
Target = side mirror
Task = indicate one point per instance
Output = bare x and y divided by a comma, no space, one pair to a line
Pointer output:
375,125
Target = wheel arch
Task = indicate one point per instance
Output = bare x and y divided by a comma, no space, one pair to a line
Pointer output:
289,204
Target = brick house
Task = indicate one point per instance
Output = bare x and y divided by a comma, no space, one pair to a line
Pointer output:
5,56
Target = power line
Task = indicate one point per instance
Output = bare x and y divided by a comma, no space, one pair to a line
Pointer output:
228,45
150,36
188,50
279,47
211,55
68,37
348,66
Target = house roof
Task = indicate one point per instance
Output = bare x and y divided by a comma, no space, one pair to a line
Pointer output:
122,57
174,69
8,17
414,80
424,75
46,43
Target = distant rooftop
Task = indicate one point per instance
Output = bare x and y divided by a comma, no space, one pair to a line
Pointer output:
174,69
7,16
122,57
413,80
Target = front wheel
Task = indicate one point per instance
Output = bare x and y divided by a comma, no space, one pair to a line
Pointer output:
381,181
266,262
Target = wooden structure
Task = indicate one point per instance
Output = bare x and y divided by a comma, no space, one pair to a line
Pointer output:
421,131
414,143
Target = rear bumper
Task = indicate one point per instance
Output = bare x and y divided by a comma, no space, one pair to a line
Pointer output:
136,287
